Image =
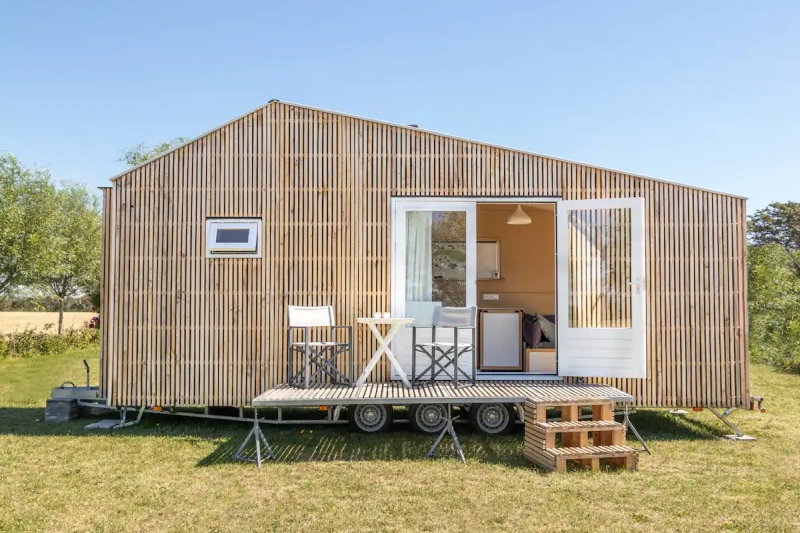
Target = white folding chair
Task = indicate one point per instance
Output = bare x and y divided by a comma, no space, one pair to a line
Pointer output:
318,356
443,354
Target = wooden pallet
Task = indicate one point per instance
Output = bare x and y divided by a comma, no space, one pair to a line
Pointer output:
591,457
608,437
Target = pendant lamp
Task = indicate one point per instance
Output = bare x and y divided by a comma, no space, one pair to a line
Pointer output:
518,217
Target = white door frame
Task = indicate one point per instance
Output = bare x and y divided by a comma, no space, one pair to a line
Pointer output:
399,205
594,351
402,205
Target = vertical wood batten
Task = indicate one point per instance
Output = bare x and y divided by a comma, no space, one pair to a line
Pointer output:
106,291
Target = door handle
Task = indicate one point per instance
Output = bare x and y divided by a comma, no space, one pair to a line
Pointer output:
639,285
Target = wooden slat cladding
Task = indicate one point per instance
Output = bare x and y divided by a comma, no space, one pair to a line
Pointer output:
696,287
181,329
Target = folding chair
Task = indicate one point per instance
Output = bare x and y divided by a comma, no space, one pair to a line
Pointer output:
318,356
444,354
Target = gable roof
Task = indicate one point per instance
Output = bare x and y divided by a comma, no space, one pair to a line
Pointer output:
416,129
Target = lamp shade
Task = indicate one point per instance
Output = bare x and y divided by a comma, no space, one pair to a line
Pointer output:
518,217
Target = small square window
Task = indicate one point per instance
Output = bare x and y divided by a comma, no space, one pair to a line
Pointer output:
488,259
233,237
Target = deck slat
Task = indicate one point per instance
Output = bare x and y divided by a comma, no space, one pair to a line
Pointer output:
396,393
591,451
579,425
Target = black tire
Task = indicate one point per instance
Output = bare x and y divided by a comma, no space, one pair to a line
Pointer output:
370,417
428,417
492,418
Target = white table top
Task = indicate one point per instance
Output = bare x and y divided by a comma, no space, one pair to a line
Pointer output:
370,320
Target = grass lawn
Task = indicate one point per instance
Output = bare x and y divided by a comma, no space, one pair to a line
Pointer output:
175,475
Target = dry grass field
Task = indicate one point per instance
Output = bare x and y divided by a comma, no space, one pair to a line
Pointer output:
11,321
170,474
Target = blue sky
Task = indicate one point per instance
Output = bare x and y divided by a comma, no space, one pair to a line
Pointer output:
703,93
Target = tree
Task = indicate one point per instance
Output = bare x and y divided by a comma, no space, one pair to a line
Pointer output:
136,155
774,285
778,223
75,246
26,206
774,307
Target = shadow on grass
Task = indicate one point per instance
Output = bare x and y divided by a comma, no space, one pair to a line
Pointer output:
301,443
659,425
291,443
400,444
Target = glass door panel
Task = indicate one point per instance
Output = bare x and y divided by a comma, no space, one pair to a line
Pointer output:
600,268
434,266
436,262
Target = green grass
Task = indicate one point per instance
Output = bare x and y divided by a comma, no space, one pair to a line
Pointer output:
26,381
175,474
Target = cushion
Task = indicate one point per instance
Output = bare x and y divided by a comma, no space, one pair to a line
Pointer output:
531,331
548,326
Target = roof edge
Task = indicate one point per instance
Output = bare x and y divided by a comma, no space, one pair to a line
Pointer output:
193,139
421,130
484,143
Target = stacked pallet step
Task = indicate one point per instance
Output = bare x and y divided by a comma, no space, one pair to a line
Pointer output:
608,436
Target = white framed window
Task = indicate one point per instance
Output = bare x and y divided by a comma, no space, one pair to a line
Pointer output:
233,237
488,259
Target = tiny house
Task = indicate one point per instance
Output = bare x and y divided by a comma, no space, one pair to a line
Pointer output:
630,281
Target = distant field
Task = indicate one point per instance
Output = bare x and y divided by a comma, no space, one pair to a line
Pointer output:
11,321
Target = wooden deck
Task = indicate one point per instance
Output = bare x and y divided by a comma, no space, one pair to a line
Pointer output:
440,392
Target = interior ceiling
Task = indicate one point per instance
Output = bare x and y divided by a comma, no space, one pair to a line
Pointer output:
512,206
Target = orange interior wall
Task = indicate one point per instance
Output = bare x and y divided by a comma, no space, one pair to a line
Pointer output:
527,258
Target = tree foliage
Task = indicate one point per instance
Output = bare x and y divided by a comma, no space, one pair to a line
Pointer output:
136,155
778,223
27,198
75,245
774,285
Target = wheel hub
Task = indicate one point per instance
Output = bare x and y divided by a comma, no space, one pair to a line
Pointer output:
369,417
431,417
492,417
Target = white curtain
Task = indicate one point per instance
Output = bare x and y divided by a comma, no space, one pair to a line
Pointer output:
419,261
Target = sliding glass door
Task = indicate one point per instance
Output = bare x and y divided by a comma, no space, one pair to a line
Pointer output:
433,265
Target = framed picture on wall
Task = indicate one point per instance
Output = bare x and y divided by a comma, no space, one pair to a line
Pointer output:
488,259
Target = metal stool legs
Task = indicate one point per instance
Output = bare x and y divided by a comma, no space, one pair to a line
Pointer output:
448,428
260,439
627,422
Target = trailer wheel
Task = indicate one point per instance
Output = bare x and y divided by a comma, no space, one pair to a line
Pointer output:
370,417
428,417
492,418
